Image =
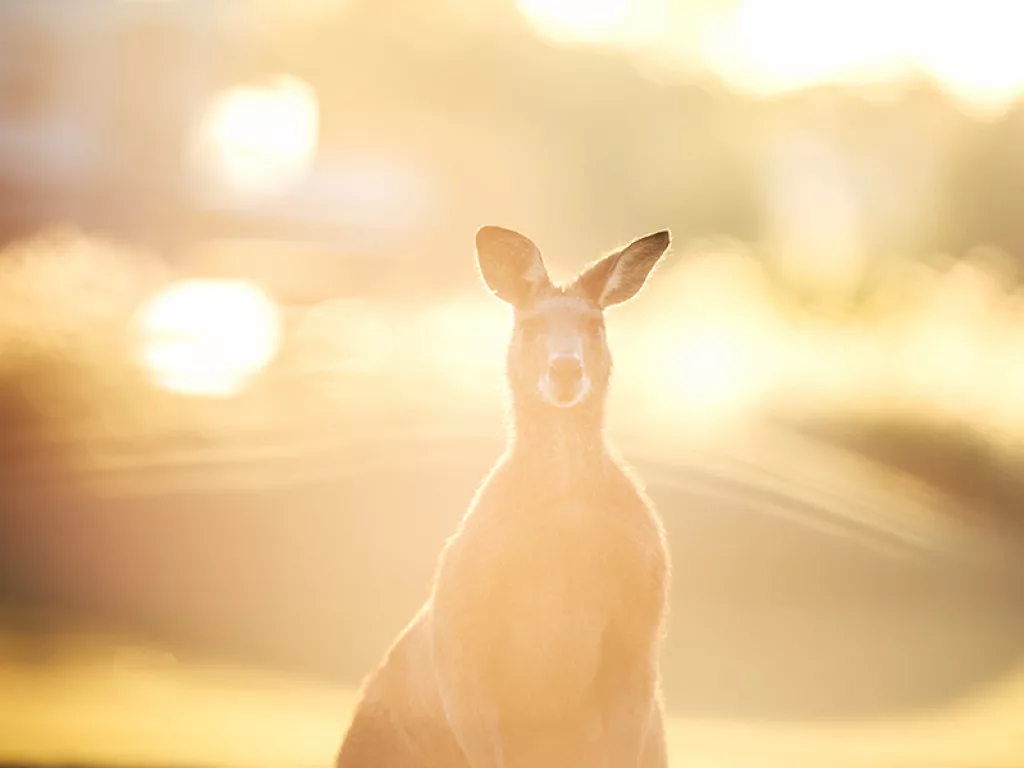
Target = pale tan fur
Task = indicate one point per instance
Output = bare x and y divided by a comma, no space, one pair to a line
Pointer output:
538,646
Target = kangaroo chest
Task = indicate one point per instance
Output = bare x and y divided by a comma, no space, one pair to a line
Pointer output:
572,558
560,580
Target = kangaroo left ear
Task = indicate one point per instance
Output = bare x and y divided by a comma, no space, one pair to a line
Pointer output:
510,264
619,276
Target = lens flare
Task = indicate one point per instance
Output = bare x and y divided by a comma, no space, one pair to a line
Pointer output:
208,337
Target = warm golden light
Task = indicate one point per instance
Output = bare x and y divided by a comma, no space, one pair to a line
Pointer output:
464,342
253,371
345,336
279,12
208,337
596,21
259,141
716,371
974,50
773,46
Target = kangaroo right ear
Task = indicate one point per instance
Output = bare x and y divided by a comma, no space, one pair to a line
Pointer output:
510,264
617,277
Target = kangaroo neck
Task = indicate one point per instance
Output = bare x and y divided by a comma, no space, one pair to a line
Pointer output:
564,445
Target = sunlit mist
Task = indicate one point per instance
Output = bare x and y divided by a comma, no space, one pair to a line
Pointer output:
260,140
208,337
596,21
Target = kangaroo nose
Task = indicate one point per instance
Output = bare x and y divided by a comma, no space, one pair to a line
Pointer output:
566,371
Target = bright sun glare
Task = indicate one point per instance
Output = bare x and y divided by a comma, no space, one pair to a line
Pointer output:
208,337
768,47
259,141
970,48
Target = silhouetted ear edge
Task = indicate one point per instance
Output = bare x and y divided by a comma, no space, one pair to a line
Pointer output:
510,264
619,276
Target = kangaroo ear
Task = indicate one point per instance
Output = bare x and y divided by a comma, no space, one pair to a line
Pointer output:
620,275
510,264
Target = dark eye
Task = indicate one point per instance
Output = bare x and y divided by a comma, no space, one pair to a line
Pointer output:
593,325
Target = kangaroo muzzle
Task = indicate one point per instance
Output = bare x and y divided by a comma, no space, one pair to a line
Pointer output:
565,383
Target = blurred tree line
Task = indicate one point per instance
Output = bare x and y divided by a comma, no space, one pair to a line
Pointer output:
587,146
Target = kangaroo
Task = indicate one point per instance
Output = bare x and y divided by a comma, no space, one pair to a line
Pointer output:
538,646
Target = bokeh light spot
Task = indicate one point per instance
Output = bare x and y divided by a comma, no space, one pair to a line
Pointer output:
259,141
208,337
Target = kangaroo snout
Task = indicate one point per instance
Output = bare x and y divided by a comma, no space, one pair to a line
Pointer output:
566,370
565,382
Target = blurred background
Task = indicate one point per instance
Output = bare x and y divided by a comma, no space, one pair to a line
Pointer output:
249,378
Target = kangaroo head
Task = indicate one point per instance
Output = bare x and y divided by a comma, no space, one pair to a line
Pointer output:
558,354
